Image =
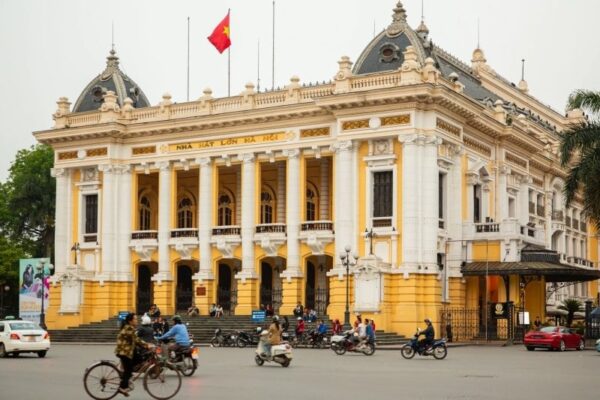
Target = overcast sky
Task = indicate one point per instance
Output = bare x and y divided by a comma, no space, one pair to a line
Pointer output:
54,48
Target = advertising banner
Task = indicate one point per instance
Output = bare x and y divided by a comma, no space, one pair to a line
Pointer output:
31,279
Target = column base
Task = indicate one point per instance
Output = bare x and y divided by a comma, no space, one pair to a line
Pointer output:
291,294
163,296
203,294
247,294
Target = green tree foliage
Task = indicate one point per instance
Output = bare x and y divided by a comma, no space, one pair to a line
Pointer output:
580,154
27,201
571,306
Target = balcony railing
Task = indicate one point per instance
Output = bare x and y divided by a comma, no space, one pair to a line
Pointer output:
226,230
382,222
568,221
528,230
441,224
90,237
140,235
531,207
270,228
487,227
575,224
184,233
316,226
557,215
540,210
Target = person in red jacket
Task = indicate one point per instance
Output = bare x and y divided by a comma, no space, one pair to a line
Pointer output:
300,328
336,327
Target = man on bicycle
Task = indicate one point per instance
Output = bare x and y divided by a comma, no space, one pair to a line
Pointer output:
180,333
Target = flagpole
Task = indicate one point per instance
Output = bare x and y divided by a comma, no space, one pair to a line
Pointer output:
273,62
229,59
188,59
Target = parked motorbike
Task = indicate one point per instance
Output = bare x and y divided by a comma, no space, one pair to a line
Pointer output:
346,342
317,340
244,338
438,350
223,340
185,360
280,354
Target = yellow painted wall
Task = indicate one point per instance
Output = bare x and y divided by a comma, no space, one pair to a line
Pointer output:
483,250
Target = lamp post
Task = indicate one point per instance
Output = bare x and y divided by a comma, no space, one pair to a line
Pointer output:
42,272
347,261
369,234
3,289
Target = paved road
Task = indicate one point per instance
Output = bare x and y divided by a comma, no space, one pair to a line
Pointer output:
467,373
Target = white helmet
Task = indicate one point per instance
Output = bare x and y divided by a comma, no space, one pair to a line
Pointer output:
146,320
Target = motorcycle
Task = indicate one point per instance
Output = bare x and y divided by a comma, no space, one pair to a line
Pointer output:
346,342
280,354
223,340
438,350
316,339
244,338
185,359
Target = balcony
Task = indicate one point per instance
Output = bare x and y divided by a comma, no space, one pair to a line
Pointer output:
144,243
316,235
540,210
381,222
229,230
531,207
144,235
184,233
226,239
557,215
505,230
270,237
487,227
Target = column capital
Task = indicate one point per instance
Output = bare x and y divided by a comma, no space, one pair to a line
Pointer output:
163,165
291,153
58,172
246,158
203,161
339,147
456,150
504,169
472,178
123,169
107,168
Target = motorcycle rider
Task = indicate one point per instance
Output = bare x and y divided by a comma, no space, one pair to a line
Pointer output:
145,332
180,333
429,334
274,335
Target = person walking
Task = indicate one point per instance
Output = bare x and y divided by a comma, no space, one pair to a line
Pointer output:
127,341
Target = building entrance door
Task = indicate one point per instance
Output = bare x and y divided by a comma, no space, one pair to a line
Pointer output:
185,288
309,301
266,284
224,293
144,295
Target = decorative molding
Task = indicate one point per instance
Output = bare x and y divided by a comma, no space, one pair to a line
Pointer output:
58,172
511,158
246,158
291,153
97,152
314,132
342,146
138,151
355,124
447,127
67,155
402,119
477,146
537,181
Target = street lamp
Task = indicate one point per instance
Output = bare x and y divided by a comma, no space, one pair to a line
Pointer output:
42,272
3,289
347,261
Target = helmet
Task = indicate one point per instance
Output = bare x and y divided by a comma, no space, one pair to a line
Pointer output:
176,319
427,321
275,318
258,330
299,318
146,320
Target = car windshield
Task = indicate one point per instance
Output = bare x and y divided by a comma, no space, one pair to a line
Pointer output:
22,326
548,329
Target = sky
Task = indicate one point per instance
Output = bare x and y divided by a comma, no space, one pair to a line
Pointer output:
55,48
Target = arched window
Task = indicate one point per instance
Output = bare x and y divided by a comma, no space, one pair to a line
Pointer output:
145,214
267,203
225,210
312,200
185,213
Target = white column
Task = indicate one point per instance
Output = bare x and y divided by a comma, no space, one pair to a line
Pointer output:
205,220
429,203
502,194
62,227
124,223
238,196
410,201
344,218
293,214
471,182
524,200
281,199
248,215
454,218
164,222
108,221
324,190
485,200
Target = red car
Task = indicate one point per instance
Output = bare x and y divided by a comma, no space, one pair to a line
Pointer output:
554,338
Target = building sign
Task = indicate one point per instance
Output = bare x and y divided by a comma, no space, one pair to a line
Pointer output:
232,141
499,310
201,291
31,279
258,315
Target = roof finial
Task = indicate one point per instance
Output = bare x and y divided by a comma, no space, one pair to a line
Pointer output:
423,30
398,20
523,69
112,31
523,86
478,33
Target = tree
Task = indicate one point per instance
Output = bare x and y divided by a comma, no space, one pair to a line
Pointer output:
27,201
580,154
571,306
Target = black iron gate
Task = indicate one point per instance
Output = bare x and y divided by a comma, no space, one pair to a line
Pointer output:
592,321
276,301
499,321
144,301
184,299
321,301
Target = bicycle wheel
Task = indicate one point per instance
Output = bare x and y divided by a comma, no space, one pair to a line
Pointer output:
101,381
164,384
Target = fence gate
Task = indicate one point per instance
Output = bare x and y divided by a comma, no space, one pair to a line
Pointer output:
496,322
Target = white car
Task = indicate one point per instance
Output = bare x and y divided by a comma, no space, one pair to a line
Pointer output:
17,336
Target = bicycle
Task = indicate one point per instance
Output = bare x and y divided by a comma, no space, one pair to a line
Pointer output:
161,380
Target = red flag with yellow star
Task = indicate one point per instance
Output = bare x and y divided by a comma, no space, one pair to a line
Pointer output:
220,36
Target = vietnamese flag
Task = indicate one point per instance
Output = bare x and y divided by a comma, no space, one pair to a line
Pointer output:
220,36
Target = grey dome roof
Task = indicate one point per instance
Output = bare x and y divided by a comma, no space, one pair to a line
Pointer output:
113,79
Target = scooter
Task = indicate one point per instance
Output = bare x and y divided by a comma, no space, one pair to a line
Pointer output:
223,340
340,344
438,350
185,360
280,354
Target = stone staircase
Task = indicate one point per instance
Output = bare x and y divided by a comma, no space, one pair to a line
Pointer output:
202,327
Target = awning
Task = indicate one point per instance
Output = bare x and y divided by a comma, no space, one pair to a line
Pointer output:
552,272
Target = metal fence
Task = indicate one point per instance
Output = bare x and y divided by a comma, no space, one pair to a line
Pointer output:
461,324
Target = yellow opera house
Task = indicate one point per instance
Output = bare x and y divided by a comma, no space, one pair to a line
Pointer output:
439,182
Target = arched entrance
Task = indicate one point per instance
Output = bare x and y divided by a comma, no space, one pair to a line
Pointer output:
310,300
266,284
225,294
185,288
144,294
317,283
